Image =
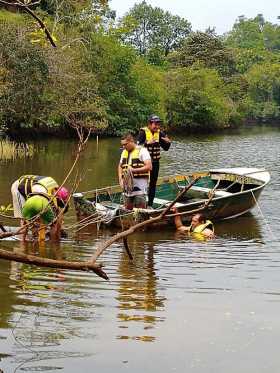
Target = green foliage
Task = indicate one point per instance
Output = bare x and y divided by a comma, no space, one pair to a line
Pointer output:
28,73
44,87
246,58
207,49
196,98
72,92
254,33
125,83
264,91
111,77
153,30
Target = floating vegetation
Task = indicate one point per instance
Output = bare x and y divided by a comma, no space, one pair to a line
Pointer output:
10,150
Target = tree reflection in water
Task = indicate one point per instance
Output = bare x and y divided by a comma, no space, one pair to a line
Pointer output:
138,296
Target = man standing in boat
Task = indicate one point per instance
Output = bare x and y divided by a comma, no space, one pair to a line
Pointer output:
153,139
133,172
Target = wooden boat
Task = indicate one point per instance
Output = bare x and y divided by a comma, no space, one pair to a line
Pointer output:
235,192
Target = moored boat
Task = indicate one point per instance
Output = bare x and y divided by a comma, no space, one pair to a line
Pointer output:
233,191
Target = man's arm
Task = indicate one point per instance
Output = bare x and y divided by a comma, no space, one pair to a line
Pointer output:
164,141
141,139
146,168
178,222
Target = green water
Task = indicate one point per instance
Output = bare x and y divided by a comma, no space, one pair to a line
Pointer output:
182,305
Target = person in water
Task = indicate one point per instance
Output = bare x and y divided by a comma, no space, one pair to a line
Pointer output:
41,197
199,225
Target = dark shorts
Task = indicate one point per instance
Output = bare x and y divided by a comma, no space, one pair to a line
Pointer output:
135,201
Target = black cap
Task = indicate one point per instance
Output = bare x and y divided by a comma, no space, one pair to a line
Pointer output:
154,118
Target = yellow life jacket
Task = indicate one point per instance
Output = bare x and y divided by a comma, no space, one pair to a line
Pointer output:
26,183
132,159
200,228
154,149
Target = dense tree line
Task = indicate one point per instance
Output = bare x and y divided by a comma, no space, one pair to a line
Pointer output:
114,73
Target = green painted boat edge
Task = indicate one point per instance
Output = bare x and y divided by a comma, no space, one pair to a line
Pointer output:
221,207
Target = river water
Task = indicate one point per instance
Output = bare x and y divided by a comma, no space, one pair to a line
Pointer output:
182,306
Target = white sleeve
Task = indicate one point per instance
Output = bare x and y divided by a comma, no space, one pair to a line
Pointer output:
37,188
144,155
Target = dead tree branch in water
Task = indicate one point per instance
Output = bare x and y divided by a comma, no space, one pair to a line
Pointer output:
52,263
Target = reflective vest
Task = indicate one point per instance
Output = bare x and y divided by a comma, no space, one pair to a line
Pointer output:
132,159
200,228
154,149
26,183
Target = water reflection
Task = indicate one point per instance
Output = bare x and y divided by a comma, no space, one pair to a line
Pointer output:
138,294
48,307
246,227
220,293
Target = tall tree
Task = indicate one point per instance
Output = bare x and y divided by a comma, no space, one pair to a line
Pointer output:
254,33
154,29
207,49
197,99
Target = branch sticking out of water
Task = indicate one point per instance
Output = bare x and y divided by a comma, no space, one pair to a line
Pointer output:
51,263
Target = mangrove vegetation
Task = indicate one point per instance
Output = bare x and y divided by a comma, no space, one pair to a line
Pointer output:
113,73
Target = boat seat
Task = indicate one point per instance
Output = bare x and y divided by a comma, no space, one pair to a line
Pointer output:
222,193
218,193
160,201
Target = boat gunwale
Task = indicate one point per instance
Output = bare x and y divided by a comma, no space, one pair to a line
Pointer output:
165,178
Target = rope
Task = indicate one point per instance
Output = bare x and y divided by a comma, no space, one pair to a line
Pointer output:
264,219
128,183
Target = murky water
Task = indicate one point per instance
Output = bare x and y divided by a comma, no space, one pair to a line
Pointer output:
183,305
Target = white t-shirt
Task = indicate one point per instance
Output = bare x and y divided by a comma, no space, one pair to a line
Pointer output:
140,183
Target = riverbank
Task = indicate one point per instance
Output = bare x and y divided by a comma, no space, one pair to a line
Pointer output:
26,134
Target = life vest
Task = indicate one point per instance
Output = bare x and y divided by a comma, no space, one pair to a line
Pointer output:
200,228
154,149
132,159
26,183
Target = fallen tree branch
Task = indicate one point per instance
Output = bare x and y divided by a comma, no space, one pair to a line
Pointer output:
52,263
7,234
25,7
42,25
129,231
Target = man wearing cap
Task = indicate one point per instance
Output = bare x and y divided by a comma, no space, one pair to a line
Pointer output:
153,139
35,195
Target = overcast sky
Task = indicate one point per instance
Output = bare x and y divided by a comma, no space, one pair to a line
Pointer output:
214,13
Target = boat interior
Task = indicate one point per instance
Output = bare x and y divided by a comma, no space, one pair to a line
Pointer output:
221,184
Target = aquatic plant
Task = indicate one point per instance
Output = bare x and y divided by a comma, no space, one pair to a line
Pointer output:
10,150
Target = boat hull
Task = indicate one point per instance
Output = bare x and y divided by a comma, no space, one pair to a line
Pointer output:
224,204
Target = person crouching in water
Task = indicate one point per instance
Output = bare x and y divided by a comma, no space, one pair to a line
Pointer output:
40,195
133,172
199,225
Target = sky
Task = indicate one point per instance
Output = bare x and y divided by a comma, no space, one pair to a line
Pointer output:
220,14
